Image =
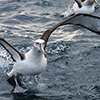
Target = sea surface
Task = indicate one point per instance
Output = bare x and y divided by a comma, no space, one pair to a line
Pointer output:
72,52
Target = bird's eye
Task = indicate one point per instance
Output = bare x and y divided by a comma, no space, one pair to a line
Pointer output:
37,43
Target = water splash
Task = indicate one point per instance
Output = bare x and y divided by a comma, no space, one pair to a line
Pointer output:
68,12
4,58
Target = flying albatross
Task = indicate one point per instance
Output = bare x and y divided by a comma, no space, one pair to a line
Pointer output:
85,6
34,61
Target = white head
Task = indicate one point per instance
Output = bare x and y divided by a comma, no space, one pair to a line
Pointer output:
40,44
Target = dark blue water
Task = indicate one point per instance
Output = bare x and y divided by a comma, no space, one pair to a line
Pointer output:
73,53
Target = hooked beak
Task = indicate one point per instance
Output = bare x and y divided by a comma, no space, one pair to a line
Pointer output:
95,1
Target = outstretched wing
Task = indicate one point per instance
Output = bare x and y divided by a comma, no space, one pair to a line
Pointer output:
87,21
15,54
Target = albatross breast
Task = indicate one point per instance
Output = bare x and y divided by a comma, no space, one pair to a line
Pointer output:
84,9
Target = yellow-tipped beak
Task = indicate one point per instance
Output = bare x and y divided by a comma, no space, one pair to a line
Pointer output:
95,1
44,52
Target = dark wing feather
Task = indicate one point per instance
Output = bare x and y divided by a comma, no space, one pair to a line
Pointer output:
15,54
47,33
87,21
78,3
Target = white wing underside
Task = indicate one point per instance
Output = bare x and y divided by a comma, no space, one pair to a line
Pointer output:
15,54
87,21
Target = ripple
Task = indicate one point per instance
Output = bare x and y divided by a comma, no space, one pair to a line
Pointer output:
10,7
43,3
73,53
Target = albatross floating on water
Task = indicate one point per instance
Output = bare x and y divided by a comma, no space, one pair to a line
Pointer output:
34,61
85,6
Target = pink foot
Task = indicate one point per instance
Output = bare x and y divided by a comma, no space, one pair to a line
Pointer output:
18,89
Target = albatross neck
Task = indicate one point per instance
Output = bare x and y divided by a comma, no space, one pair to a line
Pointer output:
36,52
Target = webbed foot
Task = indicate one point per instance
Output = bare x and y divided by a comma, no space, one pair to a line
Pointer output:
19,89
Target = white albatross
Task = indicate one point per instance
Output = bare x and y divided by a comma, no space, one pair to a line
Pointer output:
34,62
85,6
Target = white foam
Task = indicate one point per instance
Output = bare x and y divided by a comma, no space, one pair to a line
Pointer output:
5,59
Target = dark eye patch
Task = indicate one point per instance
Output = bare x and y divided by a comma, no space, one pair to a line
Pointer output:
37,43
44,43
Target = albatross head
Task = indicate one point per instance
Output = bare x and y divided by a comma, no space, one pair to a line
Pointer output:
40,44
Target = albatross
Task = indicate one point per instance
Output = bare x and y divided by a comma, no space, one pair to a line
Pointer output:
34,61
85,6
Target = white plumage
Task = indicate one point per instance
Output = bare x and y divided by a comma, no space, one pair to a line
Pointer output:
87,7
83,9
33,64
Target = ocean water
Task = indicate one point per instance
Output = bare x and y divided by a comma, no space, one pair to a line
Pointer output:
73,53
